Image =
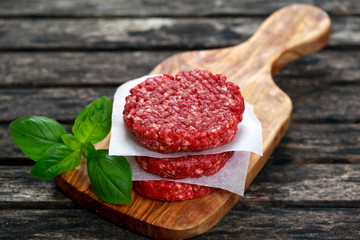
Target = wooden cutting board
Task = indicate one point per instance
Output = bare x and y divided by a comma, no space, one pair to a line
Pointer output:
288,34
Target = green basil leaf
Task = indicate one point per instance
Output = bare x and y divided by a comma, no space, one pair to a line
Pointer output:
88,150
56,160
110,177
94,122
71,141
35,134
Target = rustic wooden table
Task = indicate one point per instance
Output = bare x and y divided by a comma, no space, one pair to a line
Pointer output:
57,56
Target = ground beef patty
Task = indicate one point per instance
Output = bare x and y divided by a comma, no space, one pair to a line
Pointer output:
170,191
184,167
192,111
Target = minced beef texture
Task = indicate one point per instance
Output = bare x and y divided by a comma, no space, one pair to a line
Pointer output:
185,167
170,191
191,111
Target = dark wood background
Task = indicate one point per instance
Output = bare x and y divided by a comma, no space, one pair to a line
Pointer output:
58,56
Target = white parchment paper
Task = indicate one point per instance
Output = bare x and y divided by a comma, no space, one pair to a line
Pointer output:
232,177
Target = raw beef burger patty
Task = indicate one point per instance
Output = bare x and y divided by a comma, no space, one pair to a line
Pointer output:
170,191
184,167
192,111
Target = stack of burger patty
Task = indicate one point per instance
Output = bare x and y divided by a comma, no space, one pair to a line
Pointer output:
191,111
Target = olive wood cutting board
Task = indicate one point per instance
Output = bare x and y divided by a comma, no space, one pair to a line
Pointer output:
288,34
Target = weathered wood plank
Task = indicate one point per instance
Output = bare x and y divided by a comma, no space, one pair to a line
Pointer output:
322,101
269,223
143,8
10,152
305,185
334,103
63,104
59,224
288,223
18,189
154,33
48,69
149,33
295,185
76,68
319,143
302,143
325,66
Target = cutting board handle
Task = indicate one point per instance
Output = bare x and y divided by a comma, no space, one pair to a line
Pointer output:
289,33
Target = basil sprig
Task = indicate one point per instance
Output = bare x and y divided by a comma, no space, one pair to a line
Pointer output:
55,151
